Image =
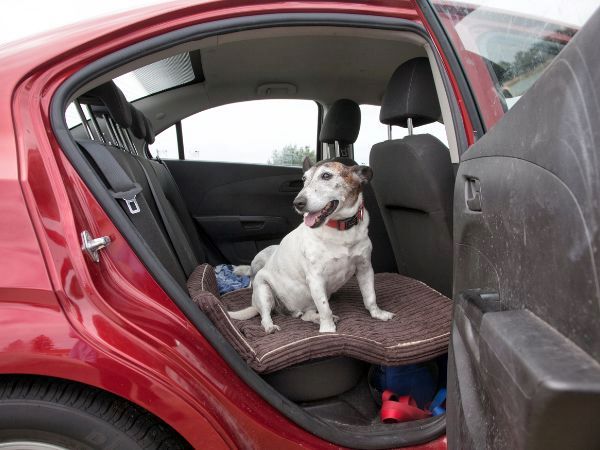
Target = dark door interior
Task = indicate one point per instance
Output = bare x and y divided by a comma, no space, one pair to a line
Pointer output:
524,363
241,208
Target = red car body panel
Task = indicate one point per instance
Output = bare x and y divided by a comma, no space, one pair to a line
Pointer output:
110,325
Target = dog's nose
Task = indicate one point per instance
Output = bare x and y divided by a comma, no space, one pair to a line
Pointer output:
300,203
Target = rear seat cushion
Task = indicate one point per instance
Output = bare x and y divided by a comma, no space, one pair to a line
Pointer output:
419,331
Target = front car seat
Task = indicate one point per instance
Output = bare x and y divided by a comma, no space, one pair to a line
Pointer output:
340,130
414,179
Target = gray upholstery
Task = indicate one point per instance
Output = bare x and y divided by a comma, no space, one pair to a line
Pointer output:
414,180
411,93
111,96
414,186
150,136
382,256
341,123
138,123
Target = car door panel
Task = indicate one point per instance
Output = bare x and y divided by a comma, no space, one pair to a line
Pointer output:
523,370
241,208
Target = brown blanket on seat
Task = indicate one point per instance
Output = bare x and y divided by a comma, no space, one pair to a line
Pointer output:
419,331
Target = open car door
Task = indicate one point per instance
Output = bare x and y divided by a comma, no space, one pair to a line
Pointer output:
524,366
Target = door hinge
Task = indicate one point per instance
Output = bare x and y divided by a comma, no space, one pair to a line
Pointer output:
92,246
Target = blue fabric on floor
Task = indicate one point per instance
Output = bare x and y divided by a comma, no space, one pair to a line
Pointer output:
227,281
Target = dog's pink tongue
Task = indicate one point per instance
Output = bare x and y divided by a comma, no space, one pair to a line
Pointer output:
311,218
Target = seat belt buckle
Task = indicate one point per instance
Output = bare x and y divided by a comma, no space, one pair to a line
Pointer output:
129,197
132,205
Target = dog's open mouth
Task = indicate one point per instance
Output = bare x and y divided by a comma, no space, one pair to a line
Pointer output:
316,219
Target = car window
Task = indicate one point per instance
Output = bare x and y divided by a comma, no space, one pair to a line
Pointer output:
372,131
277,132
165,144
505,47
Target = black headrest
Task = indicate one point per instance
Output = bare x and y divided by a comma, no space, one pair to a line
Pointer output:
149,131
112,97
341,123
138,123
410,94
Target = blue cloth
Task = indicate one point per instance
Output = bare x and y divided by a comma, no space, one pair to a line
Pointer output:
228,281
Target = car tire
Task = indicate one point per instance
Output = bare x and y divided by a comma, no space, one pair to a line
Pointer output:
44,413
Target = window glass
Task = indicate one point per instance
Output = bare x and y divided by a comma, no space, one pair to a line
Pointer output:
165,144
72,116
505,46
156,77
278,132
372,131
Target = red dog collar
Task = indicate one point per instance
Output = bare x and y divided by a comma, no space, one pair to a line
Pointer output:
346,224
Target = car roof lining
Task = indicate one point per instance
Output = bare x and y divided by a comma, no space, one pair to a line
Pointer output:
323,63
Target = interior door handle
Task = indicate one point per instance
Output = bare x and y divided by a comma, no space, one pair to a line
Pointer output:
291,186
473,194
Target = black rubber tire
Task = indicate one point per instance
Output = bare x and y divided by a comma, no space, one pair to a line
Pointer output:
76,416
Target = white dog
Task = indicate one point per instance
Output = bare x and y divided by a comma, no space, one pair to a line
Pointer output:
316,259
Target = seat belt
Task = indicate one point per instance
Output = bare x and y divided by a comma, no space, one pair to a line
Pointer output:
209,250
122,187
174,228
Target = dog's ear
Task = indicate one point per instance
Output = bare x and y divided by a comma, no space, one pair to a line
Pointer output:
364,173
306,164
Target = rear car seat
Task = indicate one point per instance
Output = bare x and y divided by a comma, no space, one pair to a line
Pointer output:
414,180
340,128
420,331
143,208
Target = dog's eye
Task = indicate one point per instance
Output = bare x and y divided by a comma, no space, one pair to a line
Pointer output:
303,178
326,176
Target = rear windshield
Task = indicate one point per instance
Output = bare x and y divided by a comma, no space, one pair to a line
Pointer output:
505,46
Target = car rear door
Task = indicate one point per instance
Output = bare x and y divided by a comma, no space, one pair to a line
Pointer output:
524,366
242,171
240,208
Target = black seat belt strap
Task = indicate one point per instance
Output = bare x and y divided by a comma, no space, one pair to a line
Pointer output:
121,185
171,222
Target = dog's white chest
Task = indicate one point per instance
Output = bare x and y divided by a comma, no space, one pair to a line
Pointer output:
335,262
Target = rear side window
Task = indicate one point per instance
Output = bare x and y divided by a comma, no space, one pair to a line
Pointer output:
165,144
275,132
372,131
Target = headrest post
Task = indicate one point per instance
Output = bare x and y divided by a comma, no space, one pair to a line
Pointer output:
337,148
410,126
95,125
389,129
130,142
111,130
84,121
115,126
124,145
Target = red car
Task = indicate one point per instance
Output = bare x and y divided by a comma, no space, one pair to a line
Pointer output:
113,336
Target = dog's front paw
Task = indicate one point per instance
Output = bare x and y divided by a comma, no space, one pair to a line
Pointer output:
271,328
381,314
327,327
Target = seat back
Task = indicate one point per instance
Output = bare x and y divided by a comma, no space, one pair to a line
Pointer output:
163,219
414,179
340,128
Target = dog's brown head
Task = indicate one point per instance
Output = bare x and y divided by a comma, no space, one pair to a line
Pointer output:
331,189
